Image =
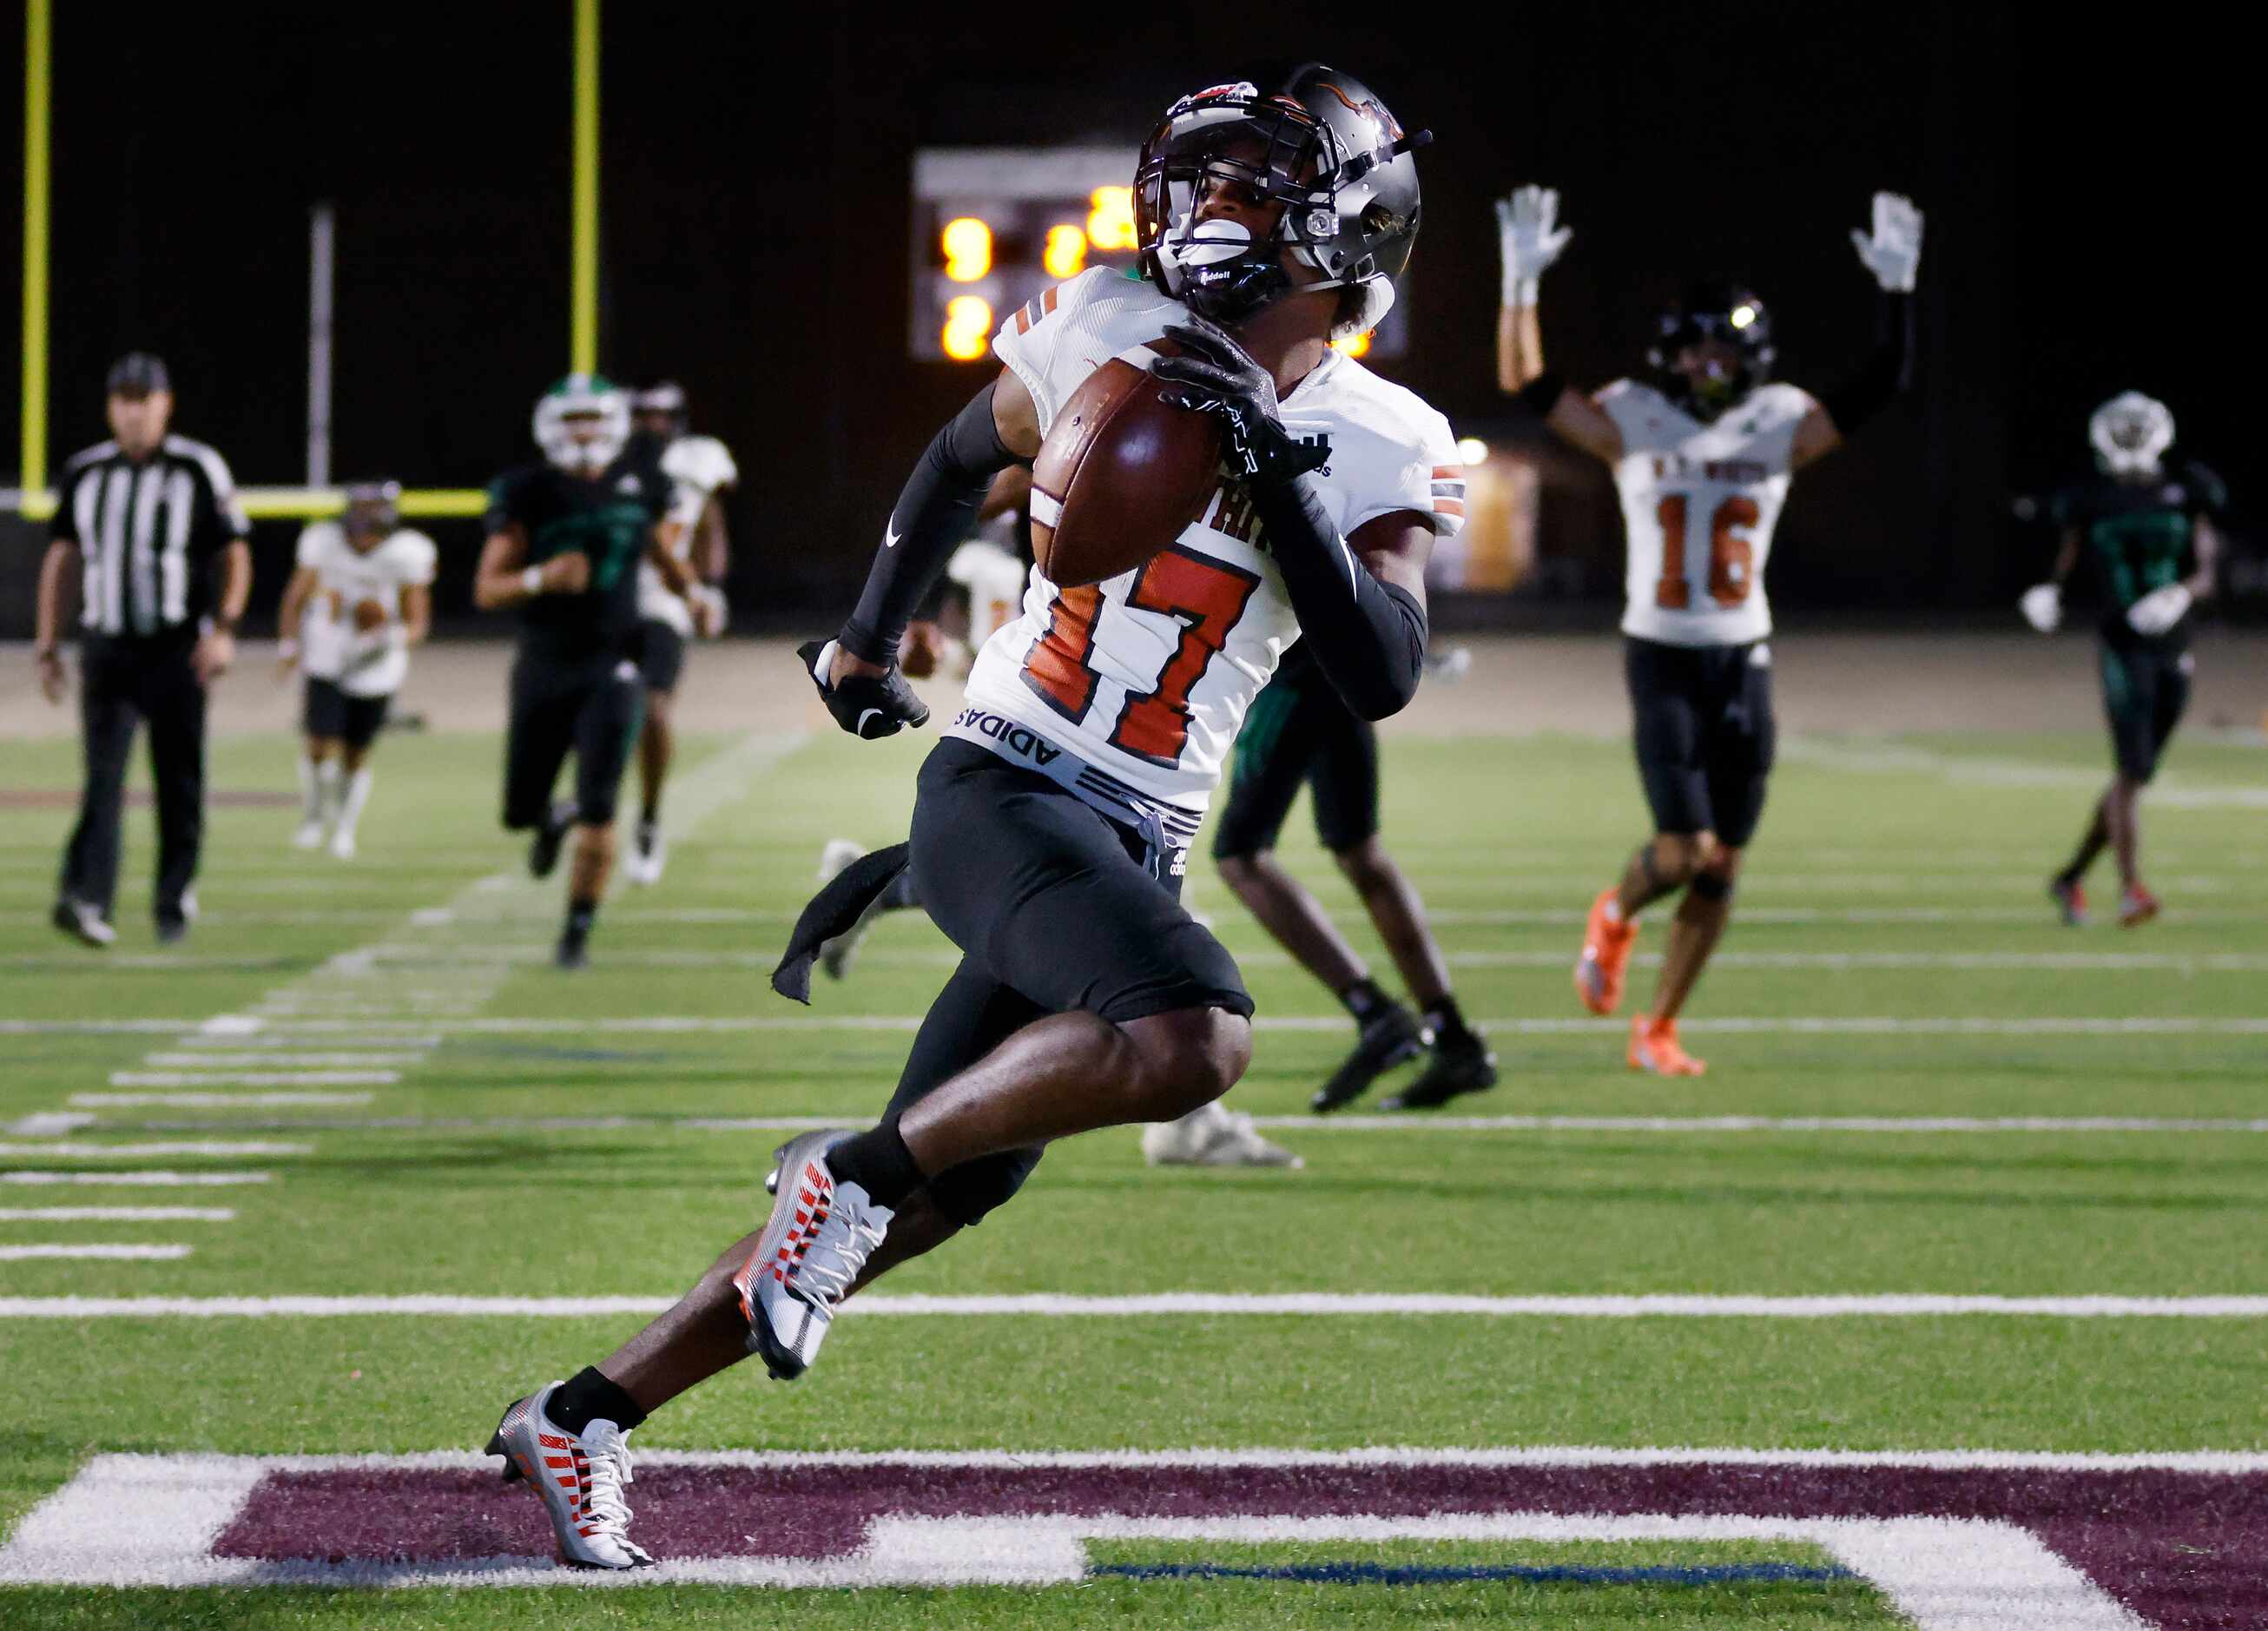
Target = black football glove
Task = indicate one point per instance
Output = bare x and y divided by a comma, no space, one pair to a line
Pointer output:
1216,375
862,704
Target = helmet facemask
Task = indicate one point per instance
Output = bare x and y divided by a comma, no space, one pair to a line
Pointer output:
583,424
1345,201
1718,323
2131,433
371,512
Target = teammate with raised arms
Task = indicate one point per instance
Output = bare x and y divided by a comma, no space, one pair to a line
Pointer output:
1702,454
1051,827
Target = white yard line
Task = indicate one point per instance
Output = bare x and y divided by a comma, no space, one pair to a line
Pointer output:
106,1254
2076,1025
254,1079
1311,1305
68,1151
255,1057
116,1214
139,1180
2168,791
1404,1122
214,1100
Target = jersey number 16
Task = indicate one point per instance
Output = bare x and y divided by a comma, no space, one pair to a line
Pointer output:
1732,557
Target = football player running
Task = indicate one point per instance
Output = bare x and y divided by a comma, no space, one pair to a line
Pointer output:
2146,518
1051,826
701,470
1301,732
565,541
1702,456
360,598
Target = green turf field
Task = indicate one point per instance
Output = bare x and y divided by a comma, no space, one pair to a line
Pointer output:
1893,967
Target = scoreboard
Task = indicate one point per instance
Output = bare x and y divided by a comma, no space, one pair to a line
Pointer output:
993,226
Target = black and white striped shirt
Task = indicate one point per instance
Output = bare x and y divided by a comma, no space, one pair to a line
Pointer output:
148,533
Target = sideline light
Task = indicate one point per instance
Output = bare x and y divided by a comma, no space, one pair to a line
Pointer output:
1354,344
968,332
1472,450
1065,252
968,244
1110,222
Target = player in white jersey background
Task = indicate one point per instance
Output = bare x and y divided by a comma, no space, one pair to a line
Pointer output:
1702,454
1050,829
360,598
701,471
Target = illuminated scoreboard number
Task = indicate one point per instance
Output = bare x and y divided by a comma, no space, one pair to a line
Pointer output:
994,226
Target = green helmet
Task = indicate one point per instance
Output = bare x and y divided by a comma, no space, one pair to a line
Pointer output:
582,423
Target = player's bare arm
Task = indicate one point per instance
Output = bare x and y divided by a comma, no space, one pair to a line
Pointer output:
1892,254
296,593
47,655
504,578
217,647
2205,539
1530,240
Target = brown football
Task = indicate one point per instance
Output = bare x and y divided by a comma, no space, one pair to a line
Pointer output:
369,614
1121,473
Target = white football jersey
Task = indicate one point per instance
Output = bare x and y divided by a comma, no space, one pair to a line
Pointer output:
1699,504
699,467
1146,676
372,664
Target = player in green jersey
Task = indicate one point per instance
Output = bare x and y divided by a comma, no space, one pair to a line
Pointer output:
2144,528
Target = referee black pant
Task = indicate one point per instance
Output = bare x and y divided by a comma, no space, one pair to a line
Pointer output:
123,681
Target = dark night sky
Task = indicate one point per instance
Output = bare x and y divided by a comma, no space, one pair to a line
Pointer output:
755,220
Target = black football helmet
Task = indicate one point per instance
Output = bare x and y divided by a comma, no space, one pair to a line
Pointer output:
663,397
1716,309
1325,149
372,509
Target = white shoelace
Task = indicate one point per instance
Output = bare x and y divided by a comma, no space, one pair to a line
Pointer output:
824,1277
607,1450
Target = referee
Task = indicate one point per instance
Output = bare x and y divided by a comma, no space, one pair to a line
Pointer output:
165,571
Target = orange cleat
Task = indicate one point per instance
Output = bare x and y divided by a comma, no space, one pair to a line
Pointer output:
1653,1046
2136,907
1606,958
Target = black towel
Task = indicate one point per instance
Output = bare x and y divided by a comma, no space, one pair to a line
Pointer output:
832,911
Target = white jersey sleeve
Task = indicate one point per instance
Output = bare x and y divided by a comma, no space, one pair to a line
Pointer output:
322,643
1146,676
1700,501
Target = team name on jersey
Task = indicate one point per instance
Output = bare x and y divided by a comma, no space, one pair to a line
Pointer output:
1731,472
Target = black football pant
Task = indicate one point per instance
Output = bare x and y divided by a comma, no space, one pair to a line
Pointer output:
126,680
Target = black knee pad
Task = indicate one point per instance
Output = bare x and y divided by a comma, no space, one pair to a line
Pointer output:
1712,886
965,1193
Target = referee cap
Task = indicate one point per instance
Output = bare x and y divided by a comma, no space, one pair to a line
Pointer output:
138,374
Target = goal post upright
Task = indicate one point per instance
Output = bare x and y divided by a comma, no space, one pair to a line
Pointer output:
32,451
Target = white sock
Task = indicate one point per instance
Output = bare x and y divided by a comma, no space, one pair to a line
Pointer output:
328,779
310,792
357,795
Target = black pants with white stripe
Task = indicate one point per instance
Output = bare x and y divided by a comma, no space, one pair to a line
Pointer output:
124,680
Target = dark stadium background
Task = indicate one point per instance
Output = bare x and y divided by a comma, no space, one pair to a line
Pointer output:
2080,192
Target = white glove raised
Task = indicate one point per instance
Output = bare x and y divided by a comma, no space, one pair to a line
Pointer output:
2160,610
1529,230
1894,252
2043,607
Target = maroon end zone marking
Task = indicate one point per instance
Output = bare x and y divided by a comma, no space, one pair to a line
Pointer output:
2182,1549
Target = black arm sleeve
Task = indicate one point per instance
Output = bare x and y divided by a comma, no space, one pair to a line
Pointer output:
934,515
1368,637
1888,373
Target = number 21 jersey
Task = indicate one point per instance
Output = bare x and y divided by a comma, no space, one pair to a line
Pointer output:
1146,676
1700,499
